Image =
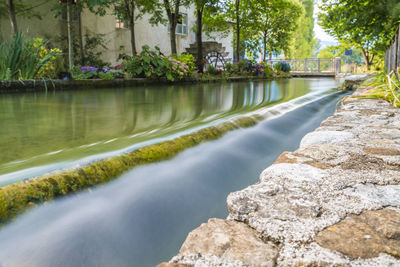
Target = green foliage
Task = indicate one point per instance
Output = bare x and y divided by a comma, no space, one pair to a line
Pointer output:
86,72
123,10
18,197
150,63
24,59
188,59
384,86
147,63
231,68
368,24
303,40
272,24
106,75
22,8
175,69
246,65
94,46
213,70
282,66
53,66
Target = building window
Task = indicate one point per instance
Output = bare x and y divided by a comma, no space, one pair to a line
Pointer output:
120,24
182,25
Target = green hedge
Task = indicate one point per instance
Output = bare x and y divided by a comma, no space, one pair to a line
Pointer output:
16,198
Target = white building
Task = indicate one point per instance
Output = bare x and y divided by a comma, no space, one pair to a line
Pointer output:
117,35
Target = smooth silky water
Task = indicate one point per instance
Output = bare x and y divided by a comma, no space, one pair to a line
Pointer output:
143,217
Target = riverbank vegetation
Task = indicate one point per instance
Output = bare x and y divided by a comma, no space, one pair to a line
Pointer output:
267,27
27,59
366,25
384,86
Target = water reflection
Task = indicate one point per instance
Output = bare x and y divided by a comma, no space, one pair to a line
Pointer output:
44,128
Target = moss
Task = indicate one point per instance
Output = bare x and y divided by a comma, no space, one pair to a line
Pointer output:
16,198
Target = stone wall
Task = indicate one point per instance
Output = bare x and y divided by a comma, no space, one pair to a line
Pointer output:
333,202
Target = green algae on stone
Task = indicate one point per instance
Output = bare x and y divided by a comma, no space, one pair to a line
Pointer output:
15,198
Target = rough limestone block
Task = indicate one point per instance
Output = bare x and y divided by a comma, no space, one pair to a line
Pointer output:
231,240
325,137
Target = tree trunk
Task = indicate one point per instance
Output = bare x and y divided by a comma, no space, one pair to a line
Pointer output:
12,16
237,31
365,55
265,45
200,65
173,20
81,48
173,36
70,36
132,27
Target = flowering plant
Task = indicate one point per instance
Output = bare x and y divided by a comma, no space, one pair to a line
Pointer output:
153,64
88,72
282,66
51,67
176,68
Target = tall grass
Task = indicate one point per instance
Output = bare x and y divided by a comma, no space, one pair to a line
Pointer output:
386,86
381,86
20,60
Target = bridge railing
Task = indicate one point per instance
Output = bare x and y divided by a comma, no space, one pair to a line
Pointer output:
392,54
328,65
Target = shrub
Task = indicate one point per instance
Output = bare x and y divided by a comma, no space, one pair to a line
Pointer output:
87,72
282,66
267,69
188,59
152,64
24,59
146,64
247,65
262,69
175,69
52,67
94,47
231,68
213,70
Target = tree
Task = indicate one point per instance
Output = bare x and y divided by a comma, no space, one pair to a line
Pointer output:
97,7
172,9
366,24
273,22
228,14
12,8
12,15
303,41
131,10
200,6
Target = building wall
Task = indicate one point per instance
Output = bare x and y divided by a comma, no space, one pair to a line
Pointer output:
48,27
117,40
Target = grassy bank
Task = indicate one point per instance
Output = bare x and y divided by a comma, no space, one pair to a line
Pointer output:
384,86
16,198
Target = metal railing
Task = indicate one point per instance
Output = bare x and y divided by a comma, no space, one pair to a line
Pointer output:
392,54
328,65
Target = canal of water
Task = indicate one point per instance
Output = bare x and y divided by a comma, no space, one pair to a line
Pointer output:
143,217
43,132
